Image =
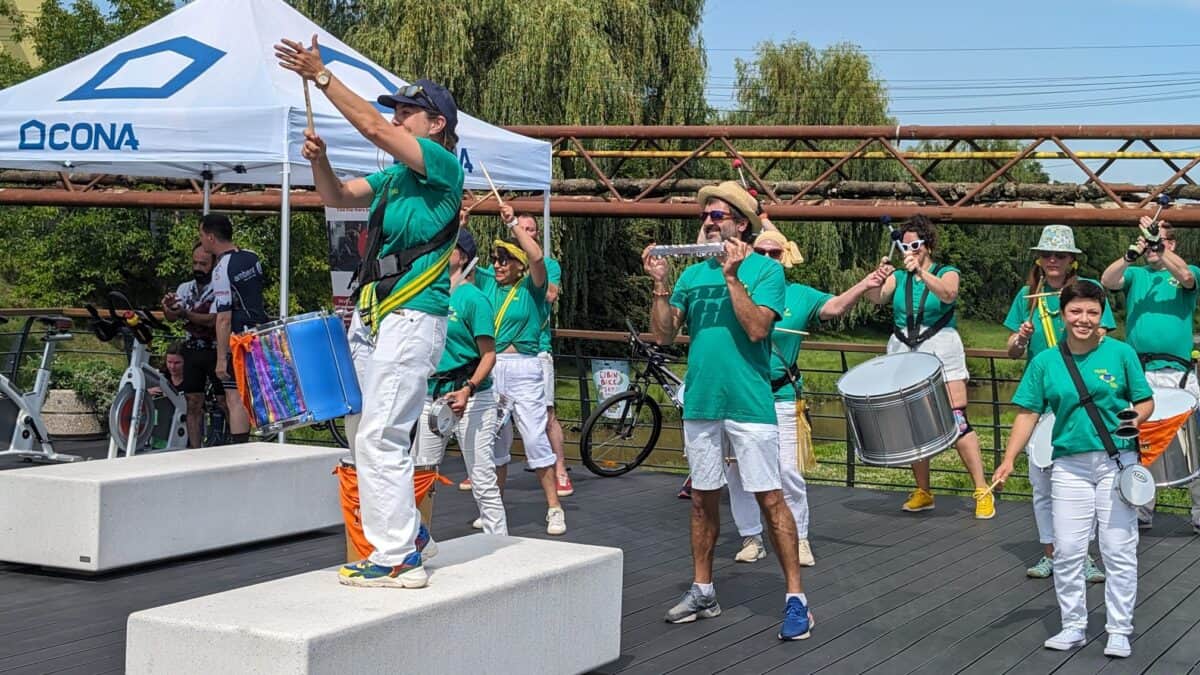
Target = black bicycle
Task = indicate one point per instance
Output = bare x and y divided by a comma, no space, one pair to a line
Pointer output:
622,432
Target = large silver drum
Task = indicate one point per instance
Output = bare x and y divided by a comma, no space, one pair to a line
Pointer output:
898,409
1180,462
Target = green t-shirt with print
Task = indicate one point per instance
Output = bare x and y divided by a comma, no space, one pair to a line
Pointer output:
1158,316
934,307
416,209
519,310
470,317
728,376
553,276
1112,375
1018,314
801,309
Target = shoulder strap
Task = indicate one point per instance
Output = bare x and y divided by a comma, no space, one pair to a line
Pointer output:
512,293
914,336
1085,398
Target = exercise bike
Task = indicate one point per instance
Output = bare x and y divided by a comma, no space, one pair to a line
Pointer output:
21,413
137,420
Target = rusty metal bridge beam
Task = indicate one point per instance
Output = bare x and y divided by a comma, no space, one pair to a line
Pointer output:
902,132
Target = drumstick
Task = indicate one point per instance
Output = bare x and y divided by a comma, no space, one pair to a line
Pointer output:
992,487
308,105
793,332
488,176
1042,295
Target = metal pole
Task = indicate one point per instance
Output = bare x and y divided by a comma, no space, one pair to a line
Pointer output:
546,223
285,246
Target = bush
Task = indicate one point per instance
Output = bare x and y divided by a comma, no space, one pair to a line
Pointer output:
94,380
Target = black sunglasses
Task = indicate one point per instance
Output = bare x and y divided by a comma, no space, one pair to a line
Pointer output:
1057,255
502,259
418,93
716,215
776,253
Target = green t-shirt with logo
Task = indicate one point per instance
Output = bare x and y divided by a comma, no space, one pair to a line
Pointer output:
934,308
728,376
470,317
1018,314
1112,375
1158,317
553,276
521,320
801,309
417,207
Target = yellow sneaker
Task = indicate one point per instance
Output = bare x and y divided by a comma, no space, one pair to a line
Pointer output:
919,500
985,505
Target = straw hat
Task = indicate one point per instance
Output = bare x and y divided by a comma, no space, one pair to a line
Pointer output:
736,196
1057,238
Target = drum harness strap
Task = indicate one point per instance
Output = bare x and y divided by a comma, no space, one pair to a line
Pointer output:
1188,366
913,336
1089,404
454,378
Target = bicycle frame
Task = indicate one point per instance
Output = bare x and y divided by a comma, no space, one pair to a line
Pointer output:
30,438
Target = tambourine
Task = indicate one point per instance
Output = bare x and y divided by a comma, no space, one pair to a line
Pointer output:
441,418
1135,484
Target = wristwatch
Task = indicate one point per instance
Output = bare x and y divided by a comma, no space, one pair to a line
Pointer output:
322,78
472,386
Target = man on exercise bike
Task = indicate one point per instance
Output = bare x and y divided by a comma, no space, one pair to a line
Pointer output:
192,303
237,282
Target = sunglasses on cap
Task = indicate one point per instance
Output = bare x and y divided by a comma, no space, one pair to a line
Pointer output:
716,215
912,246
417,92
1057,255
775,253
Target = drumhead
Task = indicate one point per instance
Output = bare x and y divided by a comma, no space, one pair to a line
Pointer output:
1169,402
1041,445
888,374
1136,485
441,418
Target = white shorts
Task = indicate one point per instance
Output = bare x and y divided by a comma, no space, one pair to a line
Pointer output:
754,445
547,361
519,377
947,346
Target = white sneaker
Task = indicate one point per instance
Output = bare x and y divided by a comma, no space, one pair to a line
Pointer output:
1118,646
806,554
556,520
1066,640
477,523
752,550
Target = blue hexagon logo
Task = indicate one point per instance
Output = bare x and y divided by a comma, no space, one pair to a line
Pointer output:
203,57
330,56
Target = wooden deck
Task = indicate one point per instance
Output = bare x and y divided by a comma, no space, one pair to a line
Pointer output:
936,593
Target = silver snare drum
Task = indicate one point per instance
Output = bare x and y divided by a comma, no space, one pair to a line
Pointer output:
1180,462
898,409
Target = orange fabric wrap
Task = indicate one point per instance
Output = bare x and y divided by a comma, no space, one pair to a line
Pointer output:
239,349
423,482
348,482
1157,435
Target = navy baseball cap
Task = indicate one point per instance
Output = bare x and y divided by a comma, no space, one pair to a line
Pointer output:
467,243
425,94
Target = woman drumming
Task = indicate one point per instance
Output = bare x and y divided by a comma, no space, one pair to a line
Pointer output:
923,296
1037,325
463,382
516,285
1083,483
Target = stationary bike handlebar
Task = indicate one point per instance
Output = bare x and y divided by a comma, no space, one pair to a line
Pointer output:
124,318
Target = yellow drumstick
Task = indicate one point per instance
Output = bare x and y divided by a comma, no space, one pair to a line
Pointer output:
1042,295
308,105
488,176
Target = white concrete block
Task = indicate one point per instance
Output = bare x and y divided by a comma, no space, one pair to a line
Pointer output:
493,605
104,514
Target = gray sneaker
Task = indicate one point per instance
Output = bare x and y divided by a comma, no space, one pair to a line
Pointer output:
693,605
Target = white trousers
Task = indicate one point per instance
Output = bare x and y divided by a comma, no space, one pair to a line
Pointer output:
1043,514
1084,491
1169,377
519,377
392,369
476,434
746,514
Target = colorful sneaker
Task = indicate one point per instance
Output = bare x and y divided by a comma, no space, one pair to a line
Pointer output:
985,505
694,605
797,621
806,554
919,500
752,550
465,484
556,522
564,486
685,492
1066,640
426,546
1042,569
1118,646
409,574
1092,573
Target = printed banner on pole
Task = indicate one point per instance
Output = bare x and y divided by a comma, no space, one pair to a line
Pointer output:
347,230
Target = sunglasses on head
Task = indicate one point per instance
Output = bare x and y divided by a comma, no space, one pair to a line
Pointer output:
716,215
776,253
1057,255
912,246
417,93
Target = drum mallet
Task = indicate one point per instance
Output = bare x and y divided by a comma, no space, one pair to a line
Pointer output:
488,176
1151,231
894,234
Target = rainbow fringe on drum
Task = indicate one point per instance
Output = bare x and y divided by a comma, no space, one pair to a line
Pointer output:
267,379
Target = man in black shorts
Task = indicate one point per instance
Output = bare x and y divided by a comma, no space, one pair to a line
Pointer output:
192,304
237,282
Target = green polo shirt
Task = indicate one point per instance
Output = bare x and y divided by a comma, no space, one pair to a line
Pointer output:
1159,312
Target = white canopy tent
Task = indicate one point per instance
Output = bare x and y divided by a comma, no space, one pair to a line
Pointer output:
198,94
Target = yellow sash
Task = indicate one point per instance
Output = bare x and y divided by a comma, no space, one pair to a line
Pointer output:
371,310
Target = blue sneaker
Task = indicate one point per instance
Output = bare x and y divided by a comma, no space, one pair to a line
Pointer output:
409,574
797,621
426,546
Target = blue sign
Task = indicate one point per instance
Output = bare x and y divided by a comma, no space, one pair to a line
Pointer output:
36,135
203,57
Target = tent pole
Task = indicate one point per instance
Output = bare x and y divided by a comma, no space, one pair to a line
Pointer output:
285,247
546,223
207,193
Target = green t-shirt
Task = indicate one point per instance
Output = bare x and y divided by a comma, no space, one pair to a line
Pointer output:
417,209
1158,317
1018,314
470,317
553,276
728,376
801,308
934,308
521,321
1112,375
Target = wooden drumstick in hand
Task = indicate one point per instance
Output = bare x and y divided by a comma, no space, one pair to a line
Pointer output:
488,176
308,105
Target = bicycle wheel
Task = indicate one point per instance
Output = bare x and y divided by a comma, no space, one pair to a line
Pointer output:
337,429
620,434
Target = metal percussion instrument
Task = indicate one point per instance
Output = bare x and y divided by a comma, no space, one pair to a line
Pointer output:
898,409
688,250
441,418
1041,444
1135,484
1179,464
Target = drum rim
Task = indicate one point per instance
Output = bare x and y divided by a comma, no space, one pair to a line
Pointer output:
1170,392
882,357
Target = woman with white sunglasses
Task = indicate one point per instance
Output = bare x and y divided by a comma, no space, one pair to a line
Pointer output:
923,294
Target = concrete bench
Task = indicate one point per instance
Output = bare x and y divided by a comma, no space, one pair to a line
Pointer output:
493,605
104,514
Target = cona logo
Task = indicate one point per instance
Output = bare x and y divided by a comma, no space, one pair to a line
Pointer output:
37,135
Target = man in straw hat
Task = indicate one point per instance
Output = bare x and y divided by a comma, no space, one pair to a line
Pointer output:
729,305
1160,298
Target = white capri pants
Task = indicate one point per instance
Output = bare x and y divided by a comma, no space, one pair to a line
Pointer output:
754,445
947,346
392,369
1084,491
547,361
519,377
476,434
1169,377
746,514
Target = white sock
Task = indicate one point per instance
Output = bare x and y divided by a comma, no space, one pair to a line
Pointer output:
802,597
705,589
